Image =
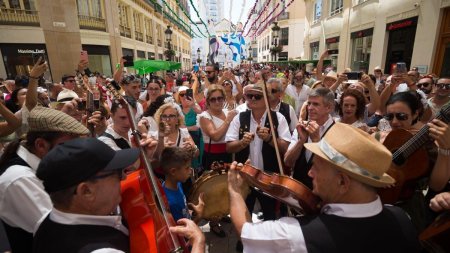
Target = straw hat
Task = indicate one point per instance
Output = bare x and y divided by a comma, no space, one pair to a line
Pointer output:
355,153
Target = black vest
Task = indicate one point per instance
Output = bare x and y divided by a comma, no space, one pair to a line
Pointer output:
286,112
389,231
20,240
120,142
268,152
302,166
52,237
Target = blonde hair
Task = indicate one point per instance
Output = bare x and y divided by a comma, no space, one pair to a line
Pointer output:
177,108
213,88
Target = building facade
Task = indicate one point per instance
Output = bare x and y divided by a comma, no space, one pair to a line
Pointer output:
292,26
363,34
106,29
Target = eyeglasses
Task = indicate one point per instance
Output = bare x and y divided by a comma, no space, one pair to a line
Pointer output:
216,99
168,116
181,94
423,85
253,96
119,173
399,116
275,91
445,86
71,80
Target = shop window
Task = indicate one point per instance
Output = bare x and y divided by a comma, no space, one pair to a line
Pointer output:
317,11
315,52
284,36
361,53
336,7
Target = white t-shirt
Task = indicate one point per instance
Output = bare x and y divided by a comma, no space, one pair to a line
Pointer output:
217,123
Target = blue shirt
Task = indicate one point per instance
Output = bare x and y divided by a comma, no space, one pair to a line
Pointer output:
177,202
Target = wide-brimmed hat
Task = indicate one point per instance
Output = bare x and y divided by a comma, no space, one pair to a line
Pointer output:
43,119
77,160
355,153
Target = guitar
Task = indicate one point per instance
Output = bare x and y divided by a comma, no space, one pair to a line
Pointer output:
409,159
435,237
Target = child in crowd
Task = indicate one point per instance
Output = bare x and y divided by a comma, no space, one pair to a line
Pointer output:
176,163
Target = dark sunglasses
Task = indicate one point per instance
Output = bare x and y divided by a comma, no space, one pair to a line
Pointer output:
423,85
275,91
216,99
209,72
253,96
181,94
445,86
399,116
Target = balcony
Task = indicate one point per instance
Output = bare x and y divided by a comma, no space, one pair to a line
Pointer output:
92,23
19,17
138,36
125,31
149,39
283,16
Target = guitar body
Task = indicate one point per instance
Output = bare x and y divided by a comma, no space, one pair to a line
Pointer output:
148,230
407,173
435,238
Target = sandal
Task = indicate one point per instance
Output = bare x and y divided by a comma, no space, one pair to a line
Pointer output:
216,229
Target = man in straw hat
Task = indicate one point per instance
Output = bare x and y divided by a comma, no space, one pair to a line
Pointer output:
345,172
23,201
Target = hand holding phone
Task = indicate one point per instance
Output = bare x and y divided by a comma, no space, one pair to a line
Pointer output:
196,68
128,61
189,94
84,56
400,68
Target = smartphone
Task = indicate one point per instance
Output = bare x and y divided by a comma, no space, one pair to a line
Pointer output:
353,75
84,56
128,61
400,68
82,105
36,57
195,68
189,94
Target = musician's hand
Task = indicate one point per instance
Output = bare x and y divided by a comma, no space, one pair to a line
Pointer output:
301,130
143,125
198,209
247,138
98,121
440,202
440,132
235,181
263,133
190,230
149,144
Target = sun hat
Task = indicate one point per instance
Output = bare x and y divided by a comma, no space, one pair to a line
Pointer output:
43,119
355,153
77,160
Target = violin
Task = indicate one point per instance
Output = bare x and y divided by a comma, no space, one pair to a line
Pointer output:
144,205
282,188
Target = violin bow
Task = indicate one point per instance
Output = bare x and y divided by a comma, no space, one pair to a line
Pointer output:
272,129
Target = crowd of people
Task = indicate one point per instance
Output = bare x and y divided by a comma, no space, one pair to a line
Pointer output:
66,148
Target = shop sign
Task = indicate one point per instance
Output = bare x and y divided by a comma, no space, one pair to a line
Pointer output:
332,40
401,24
363,33
31,51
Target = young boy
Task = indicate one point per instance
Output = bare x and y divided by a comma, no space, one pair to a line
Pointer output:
176,163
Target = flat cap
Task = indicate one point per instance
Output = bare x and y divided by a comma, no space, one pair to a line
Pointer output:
44,119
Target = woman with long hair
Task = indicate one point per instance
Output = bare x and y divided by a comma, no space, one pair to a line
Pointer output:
17,99
351,109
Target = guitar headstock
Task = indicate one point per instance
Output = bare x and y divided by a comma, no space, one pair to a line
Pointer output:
113,89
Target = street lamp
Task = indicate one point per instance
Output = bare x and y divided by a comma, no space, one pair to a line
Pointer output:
275,33
168,32
198,57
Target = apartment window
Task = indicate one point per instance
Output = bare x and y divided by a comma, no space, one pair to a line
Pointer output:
123,15
16,4
317,11
336,7
284,36
137,21
149,30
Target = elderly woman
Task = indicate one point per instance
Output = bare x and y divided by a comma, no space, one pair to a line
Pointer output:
351,109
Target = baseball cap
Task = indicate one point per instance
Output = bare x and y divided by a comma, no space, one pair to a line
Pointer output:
77,160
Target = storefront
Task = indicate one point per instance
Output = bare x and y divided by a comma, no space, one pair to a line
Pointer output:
332,44
361,47
140,54
18,58
401,42
314,47
151,55
99,59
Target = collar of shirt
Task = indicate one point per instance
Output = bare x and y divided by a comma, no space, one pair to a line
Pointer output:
325,126
28,157
354,210
114,221
114,134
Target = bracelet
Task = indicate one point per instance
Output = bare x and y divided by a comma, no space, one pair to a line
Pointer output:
32,77
443,151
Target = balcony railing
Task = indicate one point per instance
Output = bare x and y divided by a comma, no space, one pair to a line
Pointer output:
92,23
138,36
283,16
149,39
125,31
19,17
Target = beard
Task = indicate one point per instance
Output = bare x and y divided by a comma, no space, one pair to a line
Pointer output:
211,79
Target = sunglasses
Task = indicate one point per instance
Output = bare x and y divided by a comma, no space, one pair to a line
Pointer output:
169,116
275,91
181,94
423,85
209,72
253,96
399,116
216,99
445,86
